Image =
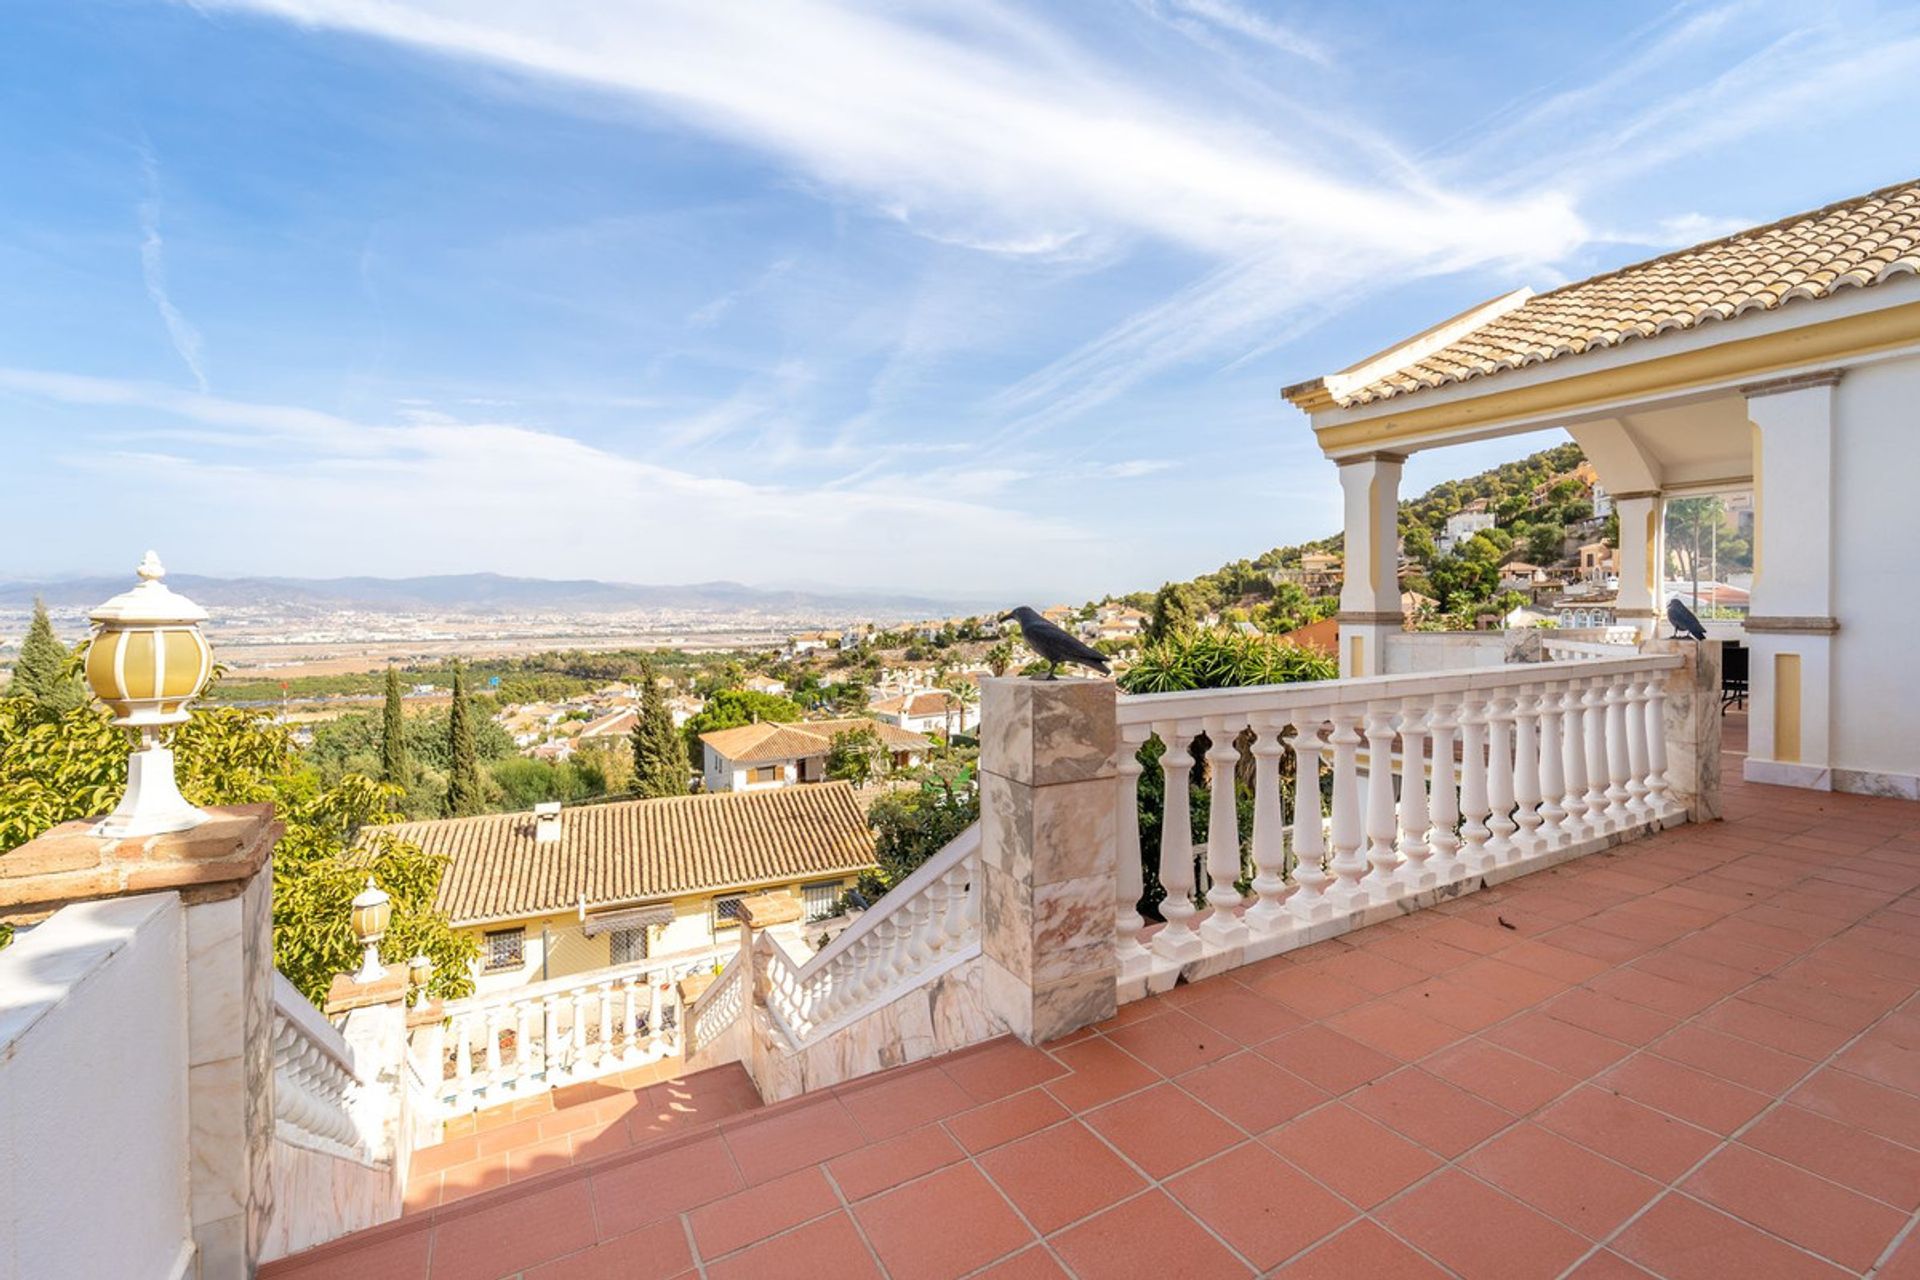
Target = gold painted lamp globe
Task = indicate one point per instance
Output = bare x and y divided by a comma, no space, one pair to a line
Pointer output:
146,662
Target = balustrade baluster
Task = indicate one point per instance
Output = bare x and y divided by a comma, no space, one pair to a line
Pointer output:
1444,808
463,1057
1593,702
1268,912
523,1043
1416,874
1500,823
603,994
1659,789
1128,881
1526,770
656,1010
630,1015
1618,815
577,1057
493,1046
1634,699
1348,867
1309,902
1573,758
1177,940
1553,814
959,905
1223,927
1382,823
1474,806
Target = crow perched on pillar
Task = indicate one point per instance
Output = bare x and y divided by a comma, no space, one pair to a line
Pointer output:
1053,644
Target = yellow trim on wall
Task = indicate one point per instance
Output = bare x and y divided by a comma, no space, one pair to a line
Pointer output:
1747,358
1786,706
1357,655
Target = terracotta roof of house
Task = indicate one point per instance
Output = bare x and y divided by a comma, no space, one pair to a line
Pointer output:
639,850
796,740
935,702
1852,244
614,722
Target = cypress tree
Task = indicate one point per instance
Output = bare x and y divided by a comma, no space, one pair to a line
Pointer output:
659,756
393,733
463,767
40,672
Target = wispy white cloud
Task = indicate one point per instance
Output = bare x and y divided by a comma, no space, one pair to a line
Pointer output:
1230,16
153,269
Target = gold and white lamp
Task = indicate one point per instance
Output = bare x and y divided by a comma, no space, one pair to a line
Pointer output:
147,662
372,910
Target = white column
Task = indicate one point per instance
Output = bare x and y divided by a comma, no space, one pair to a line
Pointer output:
1348,867
1223,927
1128,882
1445,805
1268,912
1500,777
1473,784
1526,769
1382,823
1791,626
1553,813
1177,941
1370,587
1573,761
1309,903
1416,875
1642,517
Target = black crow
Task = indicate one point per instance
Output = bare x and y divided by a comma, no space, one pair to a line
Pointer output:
1684,623
1053,644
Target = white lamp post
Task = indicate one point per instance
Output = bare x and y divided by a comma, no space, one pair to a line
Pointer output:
146,662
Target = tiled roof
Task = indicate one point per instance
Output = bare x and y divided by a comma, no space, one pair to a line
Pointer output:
926,703
768,741
640,850
1853,244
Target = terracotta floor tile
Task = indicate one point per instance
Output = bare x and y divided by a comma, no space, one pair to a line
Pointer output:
1883,1062
1607,1266
1585,940
1606,1015
1325,1058
999,1068
1031,1263
1802,1000
942,1226
1261,1205
1905,1262
1693,1096
1455,1003
1060,1175
1730,1058
749,1216
894,1102
1566,1182
630,1194
1813,1213
1251,1091
1173,1042
1508,1080
1494,976
1238,1012
1363,1250
1849,1156
767,1147
1476,938
1560,963
1560,1045
828,1248
1638,1137
1663,995
1393,1028
1098,1071
1416,951
1310,992
1147,1236
392,1257
658,1252
1682,1239
445,1155
514,1234
1842,1096
1374,972
1425,1108
1364,1161
886,1165
1773,1028
1163,1130
485,1174
1003,1121
1478,1231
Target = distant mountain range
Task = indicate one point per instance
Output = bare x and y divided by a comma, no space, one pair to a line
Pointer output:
486,593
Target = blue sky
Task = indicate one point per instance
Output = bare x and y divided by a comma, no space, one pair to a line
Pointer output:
986,299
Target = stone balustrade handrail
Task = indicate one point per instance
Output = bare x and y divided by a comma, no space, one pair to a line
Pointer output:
716,1008
1573,648
924,926
689,960
1437,782
314,1078
289,1004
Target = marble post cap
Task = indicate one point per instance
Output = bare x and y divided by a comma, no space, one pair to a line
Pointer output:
69,863
349,993
694,985
761,910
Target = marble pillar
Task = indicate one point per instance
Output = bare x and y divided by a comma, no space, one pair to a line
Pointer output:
1692,718
1048,837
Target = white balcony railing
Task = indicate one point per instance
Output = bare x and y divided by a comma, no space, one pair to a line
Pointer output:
314,1078
717,1008
513,1043
1427,782
923,927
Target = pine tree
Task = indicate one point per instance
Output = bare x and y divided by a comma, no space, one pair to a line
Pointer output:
659,755
40,672
393,734
463,767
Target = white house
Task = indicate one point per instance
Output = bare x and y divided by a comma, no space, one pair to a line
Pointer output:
757,683
760,757
928,711
1785,358
1462,525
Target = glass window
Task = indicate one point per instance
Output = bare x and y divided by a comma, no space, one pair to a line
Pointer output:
624,946
727,910
822,899
505,949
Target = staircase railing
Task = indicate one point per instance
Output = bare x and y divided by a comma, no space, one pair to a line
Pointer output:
314,1078
924,926
719,1006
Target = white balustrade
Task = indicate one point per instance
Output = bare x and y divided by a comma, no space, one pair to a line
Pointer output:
1436,781
521,1041
720,1005
314,1078
924,926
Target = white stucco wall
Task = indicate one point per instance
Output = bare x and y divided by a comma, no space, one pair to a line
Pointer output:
93,1159
1876,597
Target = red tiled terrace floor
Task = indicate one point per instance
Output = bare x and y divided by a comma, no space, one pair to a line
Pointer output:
1697,1057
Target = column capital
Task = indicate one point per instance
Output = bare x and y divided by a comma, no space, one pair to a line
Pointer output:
1637,494
1353,459
1797,382
1766,624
